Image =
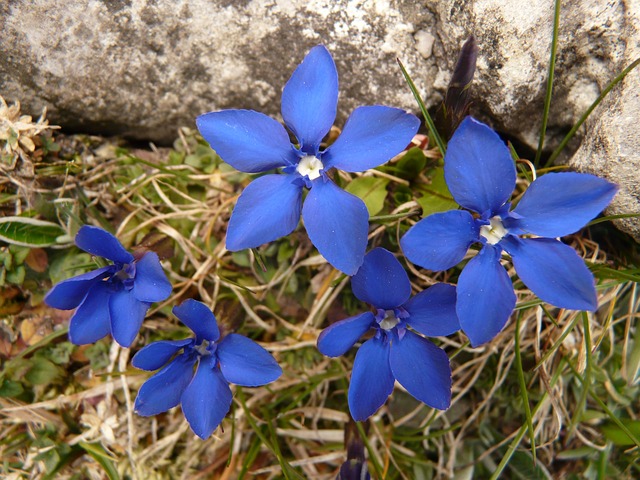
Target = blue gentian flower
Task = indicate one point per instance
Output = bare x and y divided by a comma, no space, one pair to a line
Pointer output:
205,396
112,299
394,352
481,176
270,207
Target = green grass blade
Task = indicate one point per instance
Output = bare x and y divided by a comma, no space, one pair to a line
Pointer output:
613,217
423,109
586,382
523,390
552,68
287,469
586,114
520,435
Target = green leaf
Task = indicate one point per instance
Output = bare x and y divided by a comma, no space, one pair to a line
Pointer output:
9,388
42,372
615,434
436,197
29,232
372,190
16,276
411,164
100,455
523,467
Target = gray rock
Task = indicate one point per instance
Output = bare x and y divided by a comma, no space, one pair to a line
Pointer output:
143,68
611,149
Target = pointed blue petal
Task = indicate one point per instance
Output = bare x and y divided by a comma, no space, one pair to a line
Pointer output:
199,318
423,369
156,354
91,320
371,379
69,293
127,314
248,141
244,362
554,272
163,390
339,337
101,243
337,223
381,281
310,98
485,296
440,241
478,167
372,136
150,284
558,204
207,399
269,208
433,311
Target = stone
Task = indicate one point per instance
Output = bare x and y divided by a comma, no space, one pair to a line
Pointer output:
611,149
143,68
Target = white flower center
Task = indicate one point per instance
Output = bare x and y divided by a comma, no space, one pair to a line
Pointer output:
310,167
202,348
390,320
493,232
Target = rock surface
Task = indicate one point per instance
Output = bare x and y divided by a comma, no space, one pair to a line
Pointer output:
143,68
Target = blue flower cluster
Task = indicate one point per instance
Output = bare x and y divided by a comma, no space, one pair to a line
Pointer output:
480,173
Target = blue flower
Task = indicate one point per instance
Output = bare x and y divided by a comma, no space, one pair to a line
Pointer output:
205,396
394,352
481,177
270,207
112,299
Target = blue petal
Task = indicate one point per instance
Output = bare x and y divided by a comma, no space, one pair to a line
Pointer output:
558,204
248,141
91,321
156,354
339,337
199,318
478,167
371,379
553,271
371,136
337,223
101,243
127,314
423,369
310,98
163,390
433,311
381,281
207,399
269,208
150,284
440,241
485,296
69,293
244,362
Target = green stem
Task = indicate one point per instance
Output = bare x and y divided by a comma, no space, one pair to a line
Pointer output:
427,118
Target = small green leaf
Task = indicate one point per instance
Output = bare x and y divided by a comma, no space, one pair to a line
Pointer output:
436,197
372,190
411,164
615,434
101,456
42,372
29,232
9,388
